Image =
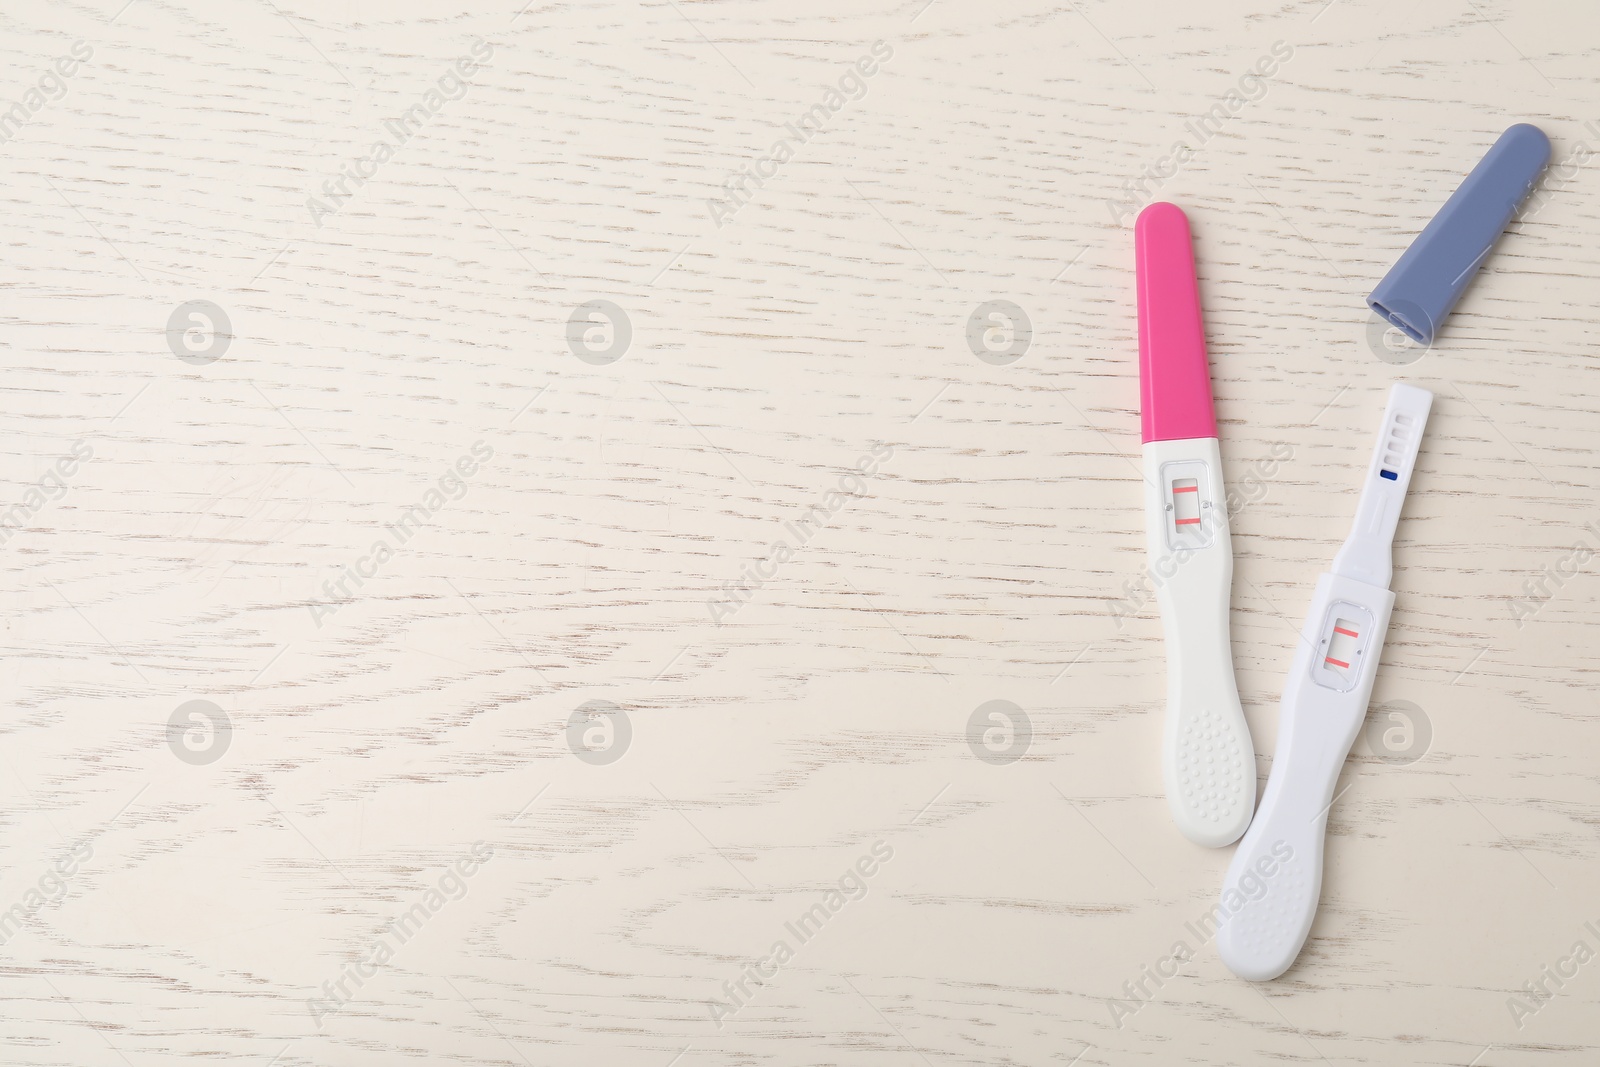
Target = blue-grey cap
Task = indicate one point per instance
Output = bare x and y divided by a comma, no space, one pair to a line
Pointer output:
1425,282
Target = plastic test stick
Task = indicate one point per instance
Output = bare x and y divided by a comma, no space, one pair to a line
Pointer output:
1208,763
1270,894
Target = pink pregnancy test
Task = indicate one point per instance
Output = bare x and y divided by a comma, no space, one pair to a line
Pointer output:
1207,762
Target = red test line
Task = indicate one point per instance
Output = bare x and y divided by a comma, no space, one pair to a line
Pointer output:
1185,489
1347,633
1336,662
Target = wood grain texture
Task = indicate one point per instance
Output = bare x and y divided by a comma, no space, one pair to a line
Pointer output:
369,747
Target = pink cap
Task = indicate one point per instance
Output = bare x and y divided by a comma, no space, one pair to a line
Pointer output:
1174,378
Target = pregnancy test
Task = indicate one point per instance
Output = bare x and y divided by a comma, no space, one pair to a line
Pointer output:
1270,895
1207,761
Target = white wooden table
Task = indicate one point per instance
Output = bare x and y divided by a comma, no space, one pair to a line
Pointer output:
397,827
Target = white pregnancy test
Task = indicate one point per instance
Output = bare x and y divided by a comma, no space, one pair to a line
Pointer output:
1207,761
1270,895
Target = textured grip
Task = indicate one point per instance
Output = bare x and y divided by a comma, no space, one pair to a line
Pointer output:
1269,898
1211,776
